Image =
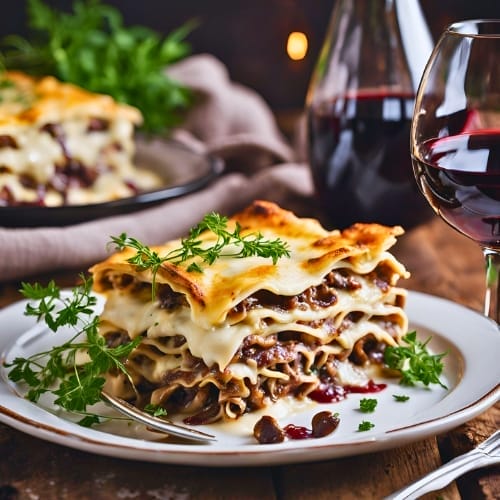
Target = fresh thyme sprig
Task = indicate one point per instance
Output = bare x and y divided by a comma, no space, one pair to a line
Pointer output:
414,362
228,244
75,385
250,244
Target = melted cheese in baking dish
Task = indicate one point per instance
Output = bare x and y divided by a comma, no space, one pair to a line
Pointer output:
31,101
252,329
60,144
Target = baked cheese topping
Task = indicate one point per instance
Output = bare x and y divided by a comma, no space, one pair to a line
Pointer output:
224,284
245,331
63,145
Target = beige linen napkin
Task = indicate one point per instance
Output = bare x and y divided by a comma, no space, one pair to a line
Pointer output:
229,120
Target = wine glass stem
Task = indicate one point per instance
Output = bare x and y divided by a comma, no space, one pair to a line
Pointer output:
491,302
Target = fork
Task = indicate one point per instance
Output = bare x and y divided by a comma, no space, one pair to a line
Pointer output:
159,424
486,454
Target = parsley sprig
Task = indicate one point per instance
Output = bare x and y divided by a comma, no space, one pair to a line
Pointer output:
91,47
367,405
366,425
414,362
400,398
228,244
75,385
155,410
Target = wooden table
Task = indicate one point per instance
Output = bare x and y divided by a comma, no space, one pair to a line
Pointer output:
441,262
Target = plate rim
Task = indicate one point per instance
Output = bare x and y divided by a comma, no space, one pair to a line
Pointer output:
256,454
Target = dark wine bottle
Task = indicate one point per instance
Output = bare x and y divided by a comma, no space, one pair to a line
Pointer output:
359,109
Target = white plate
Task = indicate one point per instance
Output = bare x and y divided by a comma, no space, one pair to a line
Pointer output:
472,373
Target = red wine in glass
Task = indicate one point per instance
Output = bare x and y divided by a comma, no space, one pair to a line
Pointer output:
358,146
455,139
460,176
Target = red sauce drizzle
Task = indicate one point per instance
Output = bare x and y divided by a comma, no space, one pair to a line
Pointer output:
371,386
297,432
328,394
334,393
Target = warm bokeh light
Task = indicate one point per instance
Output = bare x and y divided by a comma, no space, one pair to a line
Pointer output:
296,45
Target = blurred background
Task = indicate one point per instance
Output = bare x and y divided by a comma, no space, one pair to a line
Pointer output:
251,38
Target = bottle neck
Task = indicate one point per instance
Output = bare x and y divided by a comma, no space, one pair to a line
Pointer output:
374,44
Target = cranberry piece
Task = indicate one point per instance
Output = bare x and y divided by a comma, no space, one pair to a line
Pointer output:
297,432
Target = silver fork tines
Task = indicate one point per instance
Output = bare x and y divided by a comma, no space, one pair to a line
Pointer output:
486,454
156,423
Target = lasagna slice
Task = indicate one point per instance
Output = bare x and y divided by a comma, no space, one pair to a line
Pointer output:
62,145
244,332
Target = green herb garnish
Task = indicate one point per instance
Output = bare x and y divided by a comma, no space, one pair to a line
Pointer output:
414,361
400,398
76,385
368,405
155,410
365,426
92,48
228,244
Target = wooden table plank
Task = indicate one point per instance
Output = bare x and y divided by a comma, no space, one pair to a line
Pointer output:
31,468
374,475
484,483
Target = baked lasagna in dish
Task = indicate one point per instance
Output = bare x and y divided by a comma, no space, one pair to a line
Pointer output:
62,145
246,331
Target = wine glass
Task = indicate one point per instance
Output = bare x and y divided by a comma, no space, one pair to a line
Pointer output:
455,139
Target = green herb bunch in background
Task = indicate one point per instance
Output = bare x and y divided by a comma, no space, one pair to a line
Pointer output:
92,48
